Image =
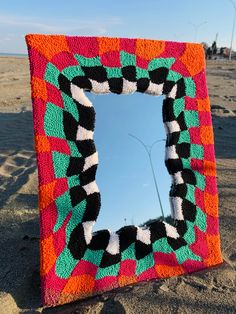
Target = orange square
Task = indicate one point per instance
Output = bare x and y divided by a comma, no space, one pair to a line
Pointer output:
108,44
149,49
209,168
39,89
48,256
168,271
126,280
214,252
193,58
207,136
42,144
204,104
211,204
79,284
46,194
52,45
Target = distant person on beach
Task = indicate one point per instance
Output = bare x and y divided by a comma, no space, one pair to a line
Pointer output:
209,53
214,48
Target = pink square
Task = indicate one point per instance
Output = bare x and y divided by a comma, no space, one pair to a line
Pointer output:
127,268
205,118
209,152
195,137
85,46
128,45
197,165
63,60
199,197
111,59
142,63
190,103
211,185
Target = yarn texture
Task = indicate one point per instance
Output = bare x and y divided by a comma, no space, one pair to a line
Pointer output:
76,262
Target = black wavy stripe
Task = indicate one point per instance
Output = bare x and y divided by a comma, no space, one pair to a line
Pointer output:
86,117
82,82
64,84
159,75
77,244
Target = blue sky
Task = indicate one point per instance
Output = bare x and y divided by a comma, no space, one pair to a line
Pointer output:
181,20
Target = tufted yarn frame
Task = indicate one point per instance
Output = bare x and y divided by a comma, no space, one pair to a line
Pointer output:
76,262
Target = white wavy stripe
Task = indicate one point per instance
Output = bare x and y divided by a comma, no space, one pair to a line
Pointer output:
172,126
154,89
91,161
113,245
88,227
173,92
79,95
177,207
100,88
144,235
171,153
171,231
129,87
83,134
91,187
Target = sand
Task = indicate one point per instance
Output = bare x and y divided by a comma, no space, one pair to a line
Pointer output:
209,291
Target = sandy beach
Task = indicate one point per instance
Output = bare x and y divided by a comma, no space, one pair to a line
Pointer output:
209,291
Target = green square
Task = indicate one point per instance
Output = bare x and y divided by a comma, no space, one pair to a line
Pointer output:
173,76
64,206
178,106
191,118
200,180
184,253
70,106
186,163
144,263
200,220
113,72
51,74
73,71
76,217
87,62
53,121
60,164
65,264
190,193
73,181
94,257
129,253
162,245
112,270
196,151
160,62
141,73
189,235
127,59
74,152
190,87
184,137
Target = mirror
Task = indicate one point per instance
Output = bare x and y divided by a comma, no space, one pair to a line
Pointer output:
124,175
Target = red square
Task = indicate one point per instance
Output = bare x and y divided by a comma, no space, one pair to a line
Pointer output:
127,268
190,103
204,118
209,152
195,137
197,165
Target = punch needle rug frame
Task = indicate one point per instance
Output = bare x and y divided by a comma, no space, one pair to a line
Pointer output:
75,262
